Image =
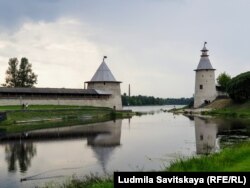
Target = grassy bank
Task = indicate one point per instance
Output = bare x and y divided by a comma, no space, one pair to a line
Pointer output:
233,159
86,182
236,158
231,110
47,116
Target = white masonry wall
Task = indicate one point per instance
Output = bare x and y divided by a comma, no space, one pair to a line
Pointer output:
113,87
78,102
206,78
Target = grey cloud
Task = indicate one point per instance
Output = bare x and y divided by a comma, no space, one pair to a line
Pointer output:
14,12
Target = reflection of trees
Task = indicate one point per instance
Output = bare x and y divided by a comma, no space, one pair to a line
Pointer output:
21,153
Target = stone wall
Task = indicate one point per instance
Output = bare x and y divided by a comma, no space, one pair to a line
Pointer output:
113,87
113,101
78,102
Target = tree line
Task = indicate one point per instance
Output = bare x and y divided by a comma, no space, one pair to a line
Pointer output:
141,100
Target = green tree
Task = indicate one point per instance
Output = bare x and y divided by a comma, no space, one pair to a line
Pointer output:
239,87
22,77
12,73
26,77
150,100
223,79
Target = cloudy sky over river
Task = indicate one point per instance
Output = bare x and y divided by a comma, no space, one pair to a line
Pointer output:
154,45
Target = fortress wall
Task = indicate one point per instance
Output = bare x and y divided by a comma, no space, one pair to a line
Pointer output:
77,102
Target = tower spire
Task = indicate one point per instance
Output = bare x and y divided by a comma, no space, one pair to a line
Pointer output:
204,50
205,44
104,57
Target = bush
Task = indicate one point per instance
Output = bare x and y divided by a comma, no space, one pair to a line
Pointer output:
239,87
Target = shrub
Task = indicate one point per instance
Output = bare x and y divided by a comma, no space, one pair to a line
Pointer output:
239,87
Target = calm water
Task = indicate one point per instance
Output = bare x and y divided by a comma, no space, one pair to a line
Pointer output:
147,142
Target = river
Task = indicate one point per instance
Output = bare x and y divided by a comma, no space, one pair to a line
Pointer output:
142,143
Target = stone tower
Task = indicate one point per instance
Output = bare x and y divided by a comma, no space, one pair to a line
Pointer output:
104,81
205,90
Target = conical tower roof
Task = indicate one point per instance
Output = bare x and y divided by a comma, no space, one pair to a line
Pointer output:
204,63
103,74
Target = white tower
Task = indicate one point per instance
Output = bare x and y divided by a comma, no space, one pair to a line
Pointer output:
205,90
104,81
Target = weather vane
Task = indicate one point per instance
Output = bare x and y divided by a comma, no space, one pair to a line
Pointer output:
205,43
104,57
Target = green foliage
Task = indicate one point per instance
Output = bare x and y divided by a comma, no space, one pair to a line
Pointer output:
223,79
26,77
150,100
12,73
239,87
230,159
22,77
90,181
235,110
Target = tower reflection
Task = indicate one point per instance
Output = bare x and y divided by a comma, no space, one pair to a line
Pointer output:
205,136
105,143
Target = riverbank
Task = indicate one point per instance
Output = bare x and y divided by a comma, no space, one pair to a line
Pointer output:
233,159
48,116
233,110
220,107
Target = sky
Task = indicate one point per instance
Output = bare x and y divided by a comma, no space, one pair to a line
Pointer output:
153,45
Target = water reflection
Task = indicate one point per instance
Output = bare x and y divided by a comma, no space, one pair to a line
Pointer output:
102,138
212,134
205,136
146,143
104,144
21,153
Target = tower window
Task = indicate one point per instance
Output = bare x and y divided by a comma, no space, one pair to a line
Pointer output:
201,137
201,86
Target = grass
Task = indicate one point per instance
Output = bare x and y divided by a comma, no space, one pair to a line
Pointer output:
86,182
235,158
48,116
233,110
43,107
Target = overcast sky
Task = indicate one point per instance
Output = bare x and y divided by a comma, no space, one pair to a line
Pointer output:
154,45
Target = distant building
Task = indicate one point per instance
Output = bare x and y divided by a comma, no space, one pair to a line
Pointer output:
103,90
205,88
